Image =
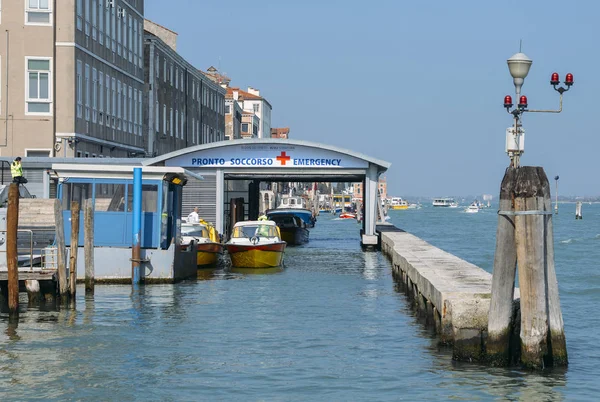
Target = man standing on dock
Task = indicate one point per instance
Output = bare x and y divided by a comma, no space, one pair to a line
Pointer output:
16,170
193,217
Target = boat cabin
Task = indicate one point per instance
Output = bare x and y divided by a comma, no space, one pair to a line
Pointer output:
249,229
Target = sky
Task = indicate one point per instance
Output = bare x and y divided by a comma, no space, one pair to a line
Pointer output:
419,84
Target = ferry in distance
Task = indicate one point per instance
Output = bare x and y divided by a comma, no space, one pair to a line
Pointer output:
445,202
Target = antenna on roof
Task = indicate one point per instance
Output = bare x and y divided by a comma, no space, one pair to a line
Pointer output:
520,45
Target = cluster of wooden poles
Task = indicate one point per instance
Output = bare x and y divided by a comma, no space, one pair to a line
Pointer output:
67,280
525,240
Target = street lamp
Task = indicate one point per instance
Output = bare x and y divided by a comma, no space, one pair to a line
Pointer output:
518,66
556,203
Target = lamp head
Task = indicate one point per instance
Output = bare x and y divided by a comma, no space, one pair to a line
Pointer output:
518,66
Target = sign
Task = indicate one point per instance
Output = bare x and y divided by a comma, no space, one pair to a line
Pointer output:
267,156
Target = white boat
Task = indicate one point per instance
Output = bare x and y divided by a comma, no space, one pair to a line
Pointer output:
445,202
473,208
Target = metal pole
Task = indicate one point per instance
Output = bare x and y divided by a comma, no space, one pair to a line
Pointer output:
556,203
137,226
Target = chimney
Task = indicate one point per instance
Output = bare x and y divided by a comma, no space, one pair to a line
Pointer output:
254,91
236,95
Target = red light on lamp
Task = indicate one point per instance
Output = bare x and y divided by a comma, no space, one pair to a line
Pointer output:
569,79
554,80
508,101
523,102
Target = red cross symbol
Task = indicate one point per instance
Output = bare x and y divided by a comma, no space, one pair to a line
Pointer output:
283,158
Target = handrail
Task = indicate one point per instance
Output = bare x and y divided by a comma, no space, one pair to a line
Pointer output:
30,245
2,163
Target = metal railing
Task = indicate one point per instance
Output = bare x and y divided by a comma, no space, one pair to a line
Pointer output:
4,165
20,249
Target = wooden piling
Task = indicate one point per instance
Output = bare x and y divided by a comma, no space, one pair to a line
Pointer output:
531,192
60,252
88,239
557,341
75,208
33,292
12,225
503,278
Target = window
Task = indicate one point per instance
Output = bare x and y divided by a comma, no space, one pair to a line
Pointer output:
130,108
182,125
245,127
227,109
124,105
165,69
80,14
101,22
114,102
156,116
94,13
140,105
135,41
130,38
107,25
176,124
135,106
38,12
164,119
171,73
38,86
119,39
171,121
37,153
94,95
101,96
255,106
176,77
87,92
113,17
193,130
79,89
87,17
119,104
157,65
107,86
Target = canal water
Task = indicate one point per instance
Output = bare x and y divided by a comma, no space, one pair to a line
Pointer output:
331,325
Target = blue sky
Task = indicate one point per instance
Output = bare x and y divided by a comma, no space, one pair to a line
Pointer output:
419,84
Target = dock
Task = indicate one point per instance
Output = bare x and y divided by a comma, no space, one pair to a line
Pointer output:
452,293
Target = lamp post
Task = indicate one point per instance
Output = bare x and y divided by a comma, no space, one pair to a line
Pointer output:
556,203
518,66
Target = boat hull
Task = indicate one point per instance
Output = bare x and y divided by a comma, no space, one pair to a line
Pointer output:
295,235
208,253
397,207
304,214
256,256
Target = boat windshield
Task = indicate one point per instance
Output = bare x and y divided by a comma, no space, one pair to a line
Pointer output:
194,231
255,230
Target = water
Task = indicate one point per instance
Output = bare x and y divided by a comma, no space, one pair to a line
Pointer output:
330,326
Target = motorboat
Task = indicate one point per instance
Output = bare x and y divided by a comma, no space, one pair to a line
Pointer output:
256,244
397,203
414,206
296,206
473,208
292,228
445,202
347,215
205,239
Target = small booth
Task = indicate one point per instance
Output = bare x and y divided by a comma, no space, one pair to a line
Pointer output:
111,190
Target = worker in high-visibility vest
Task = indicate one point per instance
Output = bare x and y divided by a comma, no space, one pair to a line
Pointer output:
16,170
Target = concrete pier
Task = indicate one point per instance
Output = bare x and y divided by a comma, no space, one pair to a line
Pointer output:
452,293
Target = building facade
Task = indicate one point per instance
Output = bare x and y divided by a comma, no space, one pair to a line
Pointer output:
251,101
233,119
280,132
185,107
75,78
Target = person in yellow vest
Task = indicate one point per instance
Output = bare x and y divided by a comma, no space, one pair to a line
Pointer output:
16,170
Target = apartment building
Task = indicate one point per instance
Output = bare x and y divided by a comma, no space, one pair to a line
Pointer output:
185,107
233,119
75,78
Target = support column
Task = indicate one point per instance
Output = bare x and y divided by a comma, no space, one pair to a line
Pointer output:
369,237
136,253
220,208
253,195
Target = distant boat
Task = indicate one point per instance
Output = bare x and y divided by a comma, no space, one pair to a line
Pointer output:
397,203
445,202
347,215
473,208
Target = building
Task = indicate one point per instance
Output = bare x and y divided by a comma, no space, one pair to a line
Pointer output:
283,132
251,101
233,118
75,78
357,189
250,124
185,107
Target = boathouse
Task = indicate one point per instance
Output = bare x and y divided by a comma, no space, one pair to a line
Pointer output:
221,164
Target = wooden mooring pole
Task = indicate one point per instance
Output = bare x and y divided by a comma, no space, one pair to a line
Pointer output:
75,209
12,225
525,201
88,244
63,287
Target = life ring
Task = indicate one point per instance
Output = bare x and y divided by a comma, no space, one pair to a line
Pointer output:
57,146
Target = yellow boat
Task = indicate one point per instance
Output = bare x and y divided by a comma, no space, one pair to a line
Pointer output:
255,244
204,237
